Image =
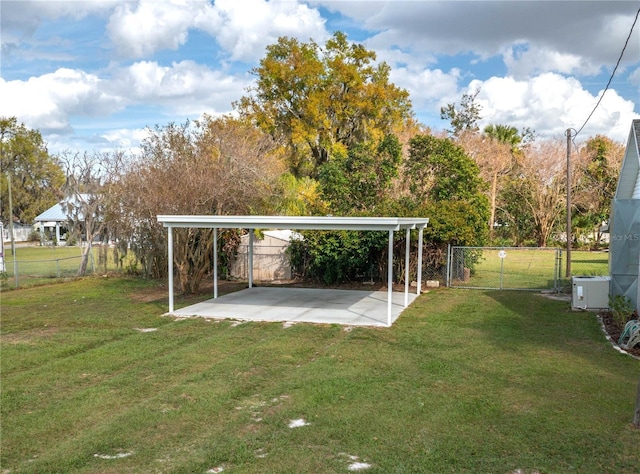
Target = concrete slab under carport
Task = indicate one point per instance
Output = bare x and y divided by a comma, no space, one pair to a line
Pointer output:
302,305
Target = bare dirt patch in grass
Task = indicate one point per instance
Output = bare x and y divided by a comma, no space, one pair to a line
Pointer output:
31,336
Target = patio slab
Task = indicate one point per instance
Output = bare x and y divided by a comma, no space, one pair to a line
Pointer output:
308,305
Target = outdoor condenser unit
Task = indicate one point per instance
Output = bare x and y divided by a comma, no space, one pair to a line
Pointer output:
590,292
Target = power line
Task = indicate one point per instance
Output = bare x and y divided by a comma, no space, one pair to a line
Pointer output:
612,74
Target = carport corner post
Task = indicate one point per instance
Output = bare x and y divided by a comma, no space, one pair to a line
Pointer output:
170,258
389,278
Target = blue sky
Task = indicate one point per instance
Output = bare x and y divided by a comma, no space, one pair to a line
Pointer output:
92,75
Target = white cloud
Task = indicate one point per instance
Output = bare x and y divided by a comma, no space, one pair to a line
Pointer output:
52,101
243,29
25,16
47,101
247,27
589,32
428,88
149,26
550,103
524,61
185,88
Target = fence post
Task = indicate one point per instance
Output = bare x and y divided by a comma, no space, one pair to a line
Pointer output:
449,257
15,270
559,272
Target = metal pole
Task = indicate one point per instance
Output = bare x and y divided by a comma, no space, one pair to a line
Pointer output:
389,278
13,241
568,134
250,258
170,251
406,266
449,265
420,237
215,262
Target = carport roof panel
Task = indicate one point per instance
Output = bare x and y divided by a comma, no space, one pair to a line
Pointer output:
294,222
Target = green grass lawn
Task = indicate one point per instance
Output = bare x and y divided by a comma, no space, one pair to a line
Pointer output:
96,380
39,265
525,268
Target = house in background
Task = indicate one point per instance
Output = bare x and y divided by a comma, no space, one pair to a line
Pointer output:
270,258
624,225
53,221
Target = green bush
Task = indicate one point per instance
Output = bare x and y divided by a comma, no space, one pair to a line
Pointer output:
621,308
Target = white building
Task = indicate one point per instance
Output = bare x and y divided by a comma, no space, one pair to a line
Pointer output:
270,258
624,225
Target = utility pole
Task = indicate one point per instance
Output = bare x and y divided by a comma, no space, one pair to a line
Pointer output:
568,134
13,241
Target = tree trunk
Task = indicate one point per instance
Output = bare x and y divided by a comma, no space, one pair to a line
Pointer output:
82,270
494,191
636,413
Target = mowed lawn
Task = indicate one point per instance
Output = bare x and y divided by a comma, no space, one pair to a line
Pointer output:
531,268
37,265
96,380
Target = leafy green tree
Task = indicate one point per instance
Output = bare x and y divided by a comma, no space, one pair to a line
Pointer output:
36,177
298,197
510,135
464,117
446,186
360,181
321,101
597,177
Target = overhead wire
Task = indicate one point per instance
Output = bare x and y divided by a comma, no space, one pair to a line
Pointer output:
612,74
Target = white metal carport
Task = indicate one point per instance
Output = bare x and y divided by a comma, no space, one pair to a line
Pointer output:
389,224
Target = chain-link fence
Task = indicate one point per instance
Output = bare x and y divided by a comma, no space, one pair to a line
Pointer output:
30,269
521,268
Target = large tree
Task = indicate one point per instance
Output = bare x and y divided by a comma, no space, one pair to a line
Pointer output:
359,182
321,100
533,199
89,196
213,166
597,172
446,186
36,177
495,159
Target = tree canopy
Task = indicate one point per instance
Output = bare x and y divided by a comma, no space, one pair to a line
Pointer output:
322,100
36,177
213,166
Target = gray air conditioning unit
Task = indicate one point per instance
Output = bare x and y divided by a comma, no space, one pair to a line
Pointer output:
590,293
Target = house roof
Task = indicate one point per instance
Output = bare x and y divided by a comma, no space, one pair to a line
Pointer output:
629,180
295,222
57,212
54,214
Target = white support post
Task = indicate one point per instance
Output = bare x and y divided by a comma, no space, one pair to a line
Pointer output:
420,236
406,267
170,257
215,262
390,278
250,258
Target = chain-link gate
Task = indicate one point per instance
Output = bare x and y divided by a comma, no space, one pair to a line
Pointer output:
512,268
